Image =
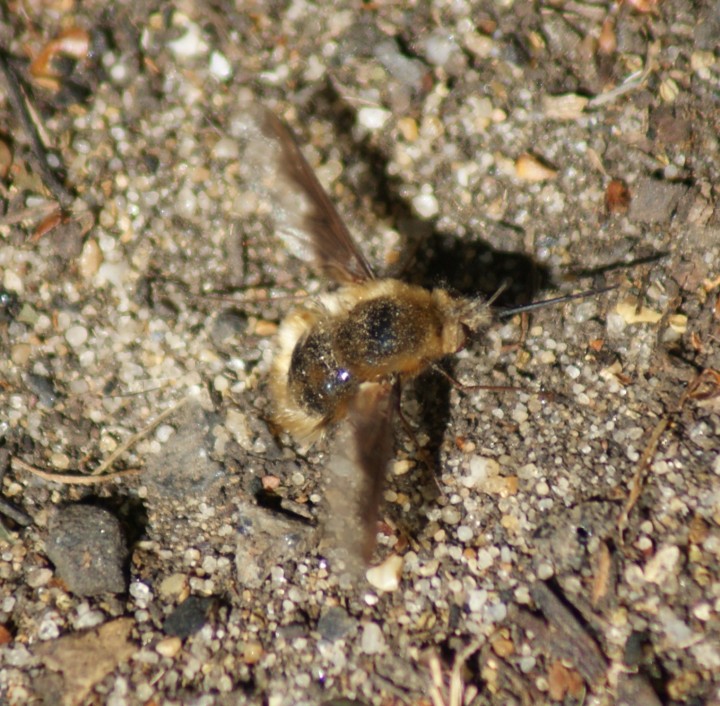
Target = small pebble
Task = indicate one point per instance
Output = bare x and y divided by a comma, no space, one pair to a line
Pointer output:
662,567
373,118
426,205
464,533
172,586
545,571
477,600
37,577
335,623
12,282
440,47
188,617
43,387
169,647
190,44
482,469
252,652
164,432
20,354
141,593
385,577
373,640
76,336
531,169
90,259
87,546
220,66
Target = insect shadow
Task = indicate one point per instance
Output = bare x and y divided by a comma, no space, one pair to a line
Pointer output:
467,267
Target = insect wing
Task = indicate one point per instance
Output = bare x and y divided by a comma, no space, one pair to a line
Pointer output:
335,250
359,456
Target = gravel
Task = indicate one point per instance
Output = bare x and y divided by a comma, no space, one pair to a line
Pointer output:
464,144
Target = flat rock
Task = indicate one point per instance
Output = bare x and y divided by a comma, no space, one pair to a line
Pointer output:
88,548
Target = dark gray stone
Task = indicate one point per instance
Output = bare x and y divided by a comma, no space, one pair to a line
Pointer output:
88,548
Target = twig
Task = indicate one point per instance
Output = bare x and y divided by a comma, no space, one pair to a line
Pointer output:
136,437
637,481
631,83
14,512
70,479
18,101
692,392
99,475
32,213
563,636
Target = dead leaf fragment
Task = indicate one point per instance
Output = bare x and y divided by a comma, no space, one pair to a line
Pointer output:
678,323
47,68
568,106
265,328
607,41
5,636
632,314
563,681
86,658
617,197
601,579
502,646
530,168
6,159
643,6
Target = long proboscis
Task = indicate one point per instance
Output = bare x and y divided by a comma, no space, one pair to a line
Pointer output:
506,313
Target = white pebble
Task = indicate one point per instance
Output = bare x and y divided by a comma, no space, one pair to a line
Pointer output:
661,567
119,73
48,628
164,432
191,43
89,619
481,468
12,282
373,640
477,600
220,67
464,533
545,571
226,149
90,259
169,647
496,612
520,413
373,118
451,516
426,204
113,272
542,488
38,577
440,47
186,203
385,577
76,336
573,372
141,593
484,559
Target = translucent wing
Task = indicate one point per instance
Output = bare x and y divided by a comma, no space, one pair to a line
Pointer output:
337,254
359,456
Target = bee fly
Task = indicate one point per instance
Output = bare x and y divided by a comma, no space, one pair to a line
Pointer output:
345,356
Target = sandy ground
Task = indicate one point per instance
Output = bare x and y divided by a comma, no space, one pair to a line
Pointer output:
564,546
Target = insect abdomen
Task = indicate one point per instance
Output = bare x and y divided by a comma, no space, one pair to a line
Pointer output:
317,381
